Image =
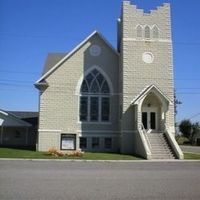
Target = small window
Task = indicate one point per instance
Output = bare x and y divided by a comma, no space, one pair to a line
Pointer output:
83,143
68,142
108,143
155,32
139,31
147,32
95,143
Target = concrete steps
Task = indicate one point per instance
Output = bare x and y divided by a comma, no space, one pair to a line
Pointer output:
160,149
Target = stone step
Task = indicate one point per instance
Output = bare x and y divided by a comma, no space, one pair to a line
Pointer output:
162,157
160,149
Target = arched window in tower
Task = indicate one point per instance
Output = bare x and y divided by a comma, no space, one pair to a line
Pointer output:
139,31
155,32
94,98
147,32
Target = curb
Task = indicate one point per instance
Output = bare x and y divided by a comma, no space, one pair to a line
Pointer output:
109,161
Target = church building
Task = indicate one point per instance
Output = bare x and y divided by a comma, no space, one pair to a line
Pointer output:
100,99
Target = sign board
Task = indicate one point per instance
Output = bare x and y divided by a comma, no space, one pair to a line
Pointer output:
68,142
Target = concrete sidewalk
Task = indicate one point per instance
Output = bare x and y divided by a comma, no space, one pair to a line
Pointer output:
191,149
109,161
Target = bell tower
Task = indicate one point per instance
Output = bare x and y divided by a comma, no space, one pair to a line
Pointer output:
145,45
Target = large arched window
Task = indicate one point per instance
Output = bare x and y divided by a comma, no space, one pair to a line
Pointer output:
94,98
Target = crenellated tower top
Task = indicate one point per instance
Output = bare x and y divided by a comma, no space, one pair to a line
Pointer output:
155,24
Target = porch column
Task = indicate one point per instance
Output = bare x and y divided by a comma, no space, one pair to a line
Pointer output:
2,134
139,115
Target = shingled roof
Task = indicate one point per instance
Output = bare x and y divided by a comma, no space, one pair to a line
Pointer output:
24,114
51,60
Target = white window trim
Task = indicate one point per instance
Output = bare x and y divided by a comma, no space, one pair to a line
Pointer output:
78,88
151,32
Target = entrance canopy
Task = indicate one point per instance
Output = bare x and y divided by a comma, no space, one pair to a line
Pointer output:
151,106
151,89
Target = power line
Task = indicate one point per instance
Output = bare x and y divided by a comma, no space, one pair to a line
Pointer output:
19,72
30,83
17,81
189,43
39,73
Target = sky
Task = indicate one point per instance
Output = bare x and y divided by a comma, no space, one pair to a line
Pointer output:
29,29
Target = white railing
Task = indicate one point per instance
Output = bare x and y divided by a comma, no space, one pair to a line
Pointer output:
177,150
144,132
145,142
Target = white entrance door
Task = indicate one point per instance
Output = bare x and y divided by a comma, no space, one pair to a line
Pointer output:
149,118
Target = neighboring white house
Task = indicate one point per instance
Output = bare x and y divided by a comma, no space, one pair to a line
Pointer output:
97,98
18,129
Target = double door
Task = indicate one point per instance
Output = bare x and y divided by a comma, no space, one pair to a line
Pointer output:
149,118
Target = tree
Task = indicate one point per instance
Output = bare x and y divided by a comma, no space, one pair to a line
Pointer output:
195,130
186,128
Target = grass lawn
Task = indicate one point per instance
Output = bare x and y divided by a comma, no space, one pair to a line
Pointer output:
191,156
18,153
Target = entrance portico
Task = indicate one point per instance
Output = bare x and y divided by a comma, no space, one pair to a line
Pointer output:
151,109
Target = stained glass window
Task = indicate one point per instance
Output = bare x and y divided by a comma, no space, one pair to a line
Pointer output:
94,99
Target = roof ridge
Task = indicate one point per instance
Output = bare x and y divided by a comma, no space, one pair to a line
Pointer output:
73,51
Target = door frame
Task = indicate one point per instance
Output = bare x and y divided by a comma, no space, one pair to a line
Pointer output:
149,110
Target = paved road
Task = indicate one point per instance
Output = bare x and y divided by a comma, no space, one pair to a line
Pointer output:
51,180
193,149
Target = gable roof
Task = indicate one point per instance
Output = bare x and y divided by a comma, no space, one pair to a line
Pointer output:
51,69
8,119
24,114
147,90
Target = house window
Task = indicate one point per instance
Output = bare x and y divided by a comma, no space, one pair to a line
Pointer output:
17,134
147,32
155,32
139,31
83,142
108,143
95,142
94,98
68,142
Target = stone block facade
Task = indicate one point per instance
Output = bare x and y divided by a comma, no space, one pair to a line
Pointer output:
139,77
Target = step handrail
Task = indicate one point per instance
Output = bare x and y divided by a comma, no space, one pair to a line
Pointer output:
177,150
144,132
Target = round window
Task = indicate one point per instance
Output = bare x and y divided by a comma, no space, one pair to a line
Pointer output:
95,50
147,57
